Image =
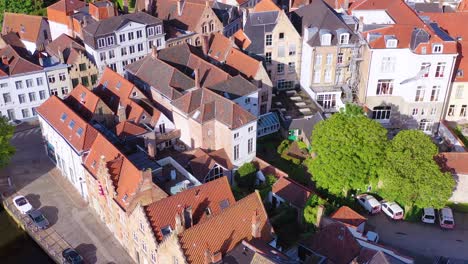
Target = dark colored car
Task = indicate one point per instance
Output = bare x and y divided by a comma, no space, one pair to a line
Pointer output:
38,219
72,257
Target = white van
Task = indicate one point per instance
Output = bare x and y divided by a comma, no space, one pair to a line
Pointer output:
428,215
446,218
369,203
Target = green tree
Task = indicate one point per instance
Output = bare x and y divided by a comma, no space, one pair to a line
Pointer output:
349,148
6,149
245,175
410,175
311,209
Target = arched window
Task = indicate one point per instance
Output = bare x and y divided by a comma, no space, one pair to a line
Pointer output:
204,28
197,41
211,26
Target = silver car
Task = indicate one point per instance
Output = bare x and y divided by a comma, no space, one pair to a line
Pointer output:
38,219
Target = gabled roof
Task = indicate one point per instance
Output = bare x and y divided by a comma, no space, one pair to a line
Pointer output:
128,129
381,257
348,216
291,191
111,24
212,195
202,164
70,49
67,6
113,89
19,61
234,88
27,26
219,47
83,101
192,12
75,130
265,6
256,26
335,242
453,162
222,232
203,105
241,39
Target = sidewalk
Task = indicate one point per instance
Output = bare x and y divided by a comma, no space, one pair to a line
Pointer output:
35,176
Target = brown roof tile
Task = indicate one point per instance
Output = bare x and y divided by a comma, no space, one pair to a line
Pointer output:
348,216
191,13
53,110
291,191
202,164
128,129
27,26
241,39
67,6
19,61
266,5
70,49
209,195
225,230
113,89
83,101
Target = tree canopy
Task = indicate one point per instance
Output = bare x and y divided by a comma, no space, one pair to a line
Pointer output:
410,175
6,149
349,148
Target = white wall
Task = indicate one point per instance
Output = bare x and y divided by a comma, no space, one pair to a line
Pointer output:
242,141
373,16
30,46
71,161
306,66
15,105
249,103
57,29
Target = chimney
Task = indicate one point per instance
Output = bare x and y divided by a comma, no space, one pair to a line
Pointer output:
345,5
154,52
256,232
197,78
207,3
216,257
179,7
188,217
441,4
205,44
85,22
121,114
179,223
5,60
146,181
151,150
60,55
125,6
361,24
207,255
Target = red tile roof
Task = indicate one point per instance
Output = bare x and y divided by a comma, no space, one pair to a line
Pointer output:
53,109
70,49
83,101
266,5
19,61
241,39
209,195
128,129
462,6
202,164
192,12
225,230
335,242
114,88
348,216
67,6
291,191
453,162
124,175
28,27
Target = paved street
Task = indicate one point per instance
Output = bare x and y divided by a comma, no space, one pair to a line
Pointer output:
35,176
423,239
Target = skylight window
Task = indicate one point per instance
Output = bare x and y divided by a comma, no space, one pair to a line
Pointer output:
166,230
196,114
224,204
79,131
82,96
119,84
71,125
63,117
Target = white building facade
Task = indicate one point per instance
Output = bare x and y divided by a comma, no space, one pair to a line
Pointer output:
118,41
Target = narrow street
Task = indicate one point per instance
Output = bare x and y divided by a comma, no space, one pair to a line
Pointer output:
35,176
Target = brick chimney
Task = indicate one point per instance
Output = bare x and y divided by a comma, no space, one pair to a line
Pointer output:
197,78
154,52
121,114
212,257
179,7
151,150
256,232
188,217
146,182
5,60
179,223
205,44
207,255
60,55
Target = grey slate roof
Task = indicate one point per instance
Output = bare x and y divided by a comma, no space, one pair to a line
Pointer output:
306,124
110,25
320,18
256,26
234,88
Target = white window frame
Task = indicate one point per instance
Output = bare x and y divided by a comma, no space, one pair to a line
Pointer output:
325,39
101,42
382,113
384,87
440,70
435,93
388,64
316,78
420,92
344,38
391,43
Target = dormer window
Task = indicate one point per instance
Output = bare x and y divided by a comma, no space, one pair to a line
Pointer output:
101,42
344,38
391,43
166,230
110,41
437,48
143,117
325,39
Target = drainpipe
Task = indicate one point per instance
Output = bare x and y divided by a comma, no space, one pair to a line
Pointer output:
447,93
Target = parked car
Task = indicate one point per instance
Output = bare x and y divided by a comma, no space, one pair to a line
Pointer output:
72,257
38,219
446,218
393,210
428,215
22,204
369,203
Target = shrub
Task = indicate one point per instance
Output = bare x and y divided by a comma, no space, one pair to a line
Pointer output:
270,179
302,145
311,209
245,175
283,146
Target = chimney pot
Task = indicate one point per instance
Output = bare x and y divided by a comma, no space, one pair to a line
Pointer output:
207,255
256,225
197,78
179,7
151,150
154,52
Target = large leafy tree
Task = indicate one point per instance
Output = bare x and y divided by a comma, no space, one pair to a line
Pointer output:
410,175
6,149
349,148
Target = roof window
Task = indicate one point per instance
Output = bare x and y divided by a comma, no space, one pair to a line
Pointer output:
71,125
79,131
166,230
437,48
224,204
119,84
325,39
391,43
63,117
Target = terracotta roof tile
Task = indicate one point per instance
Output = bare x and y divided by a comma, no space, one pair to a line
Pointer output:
219,47
453,162
67,6
70,49
61,117
27,26
202,164
83,101
209,195
348,216
113,89
225,230
335,242
266,5
128,129
241,39
19,61
191,13
292,191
